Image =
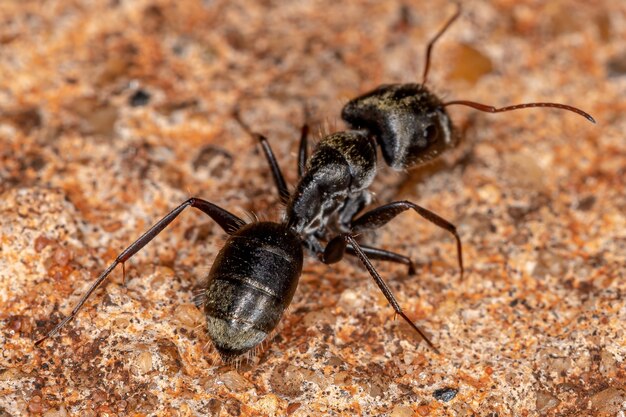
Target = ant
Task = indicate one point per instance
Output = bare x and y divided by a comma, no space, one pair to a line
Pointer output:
255,274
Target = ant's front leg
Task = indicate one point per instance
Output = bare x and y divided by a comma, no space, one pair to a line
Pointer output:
380,216
336,248
334,252
384,255
227,221
353,205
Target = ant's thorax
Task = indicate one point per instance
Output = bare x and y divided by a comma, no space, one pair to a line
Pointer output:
334,185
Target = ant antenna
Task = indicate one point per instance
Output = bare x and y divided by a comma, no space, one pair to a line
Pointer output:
437,36
491,109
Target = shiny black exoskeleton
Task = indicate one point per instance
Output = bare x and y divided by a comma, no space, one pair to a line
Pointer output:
250,285
334,185
409,123
255,274
322,210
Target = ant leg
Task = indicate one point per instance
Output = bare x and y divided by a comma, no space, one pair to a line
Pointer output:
283,191
227,221
302,151
384,255
350,209
336,248
304,143
380,216
334,252
281,185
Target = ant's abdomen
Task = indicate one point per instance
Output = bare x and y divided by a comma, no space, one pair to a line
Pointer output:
250,285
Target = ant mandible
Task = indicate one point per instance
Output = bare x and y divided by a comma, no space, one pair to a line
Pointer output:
255,274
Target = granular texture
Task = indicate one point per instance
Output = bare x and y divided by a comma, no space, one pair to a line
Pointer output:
114,112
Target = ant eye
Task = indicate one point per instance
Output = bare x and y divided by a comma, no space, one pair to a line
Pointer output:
430,133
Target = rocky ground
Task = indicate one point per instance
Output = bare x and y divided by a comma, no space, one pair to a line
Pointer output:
114,112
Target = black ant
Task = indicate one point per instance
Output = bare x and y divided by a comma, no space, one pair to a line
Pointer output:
255,274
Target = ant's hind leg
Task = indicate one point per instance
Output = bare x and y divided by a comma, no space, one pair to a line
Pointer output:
334,252
279,179
227,221
380,216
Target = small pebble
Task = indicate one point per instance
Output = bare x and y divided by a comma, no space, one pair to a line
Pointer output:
445,394
35,406
102,121
291,408
62,256
268,404
233,381
41,242
188,315
170,357
139,98
287,380
545,402
402,411
608,401
144,362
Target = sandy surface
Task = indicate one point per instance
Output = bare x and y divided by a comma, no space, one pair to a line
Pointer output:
114,112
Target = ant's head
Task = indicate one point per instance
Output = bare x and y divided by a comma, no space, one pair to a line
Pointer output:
409,123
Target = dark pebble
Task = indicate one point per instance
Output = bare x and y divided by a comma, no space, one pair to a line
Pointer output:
445,394
140,98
